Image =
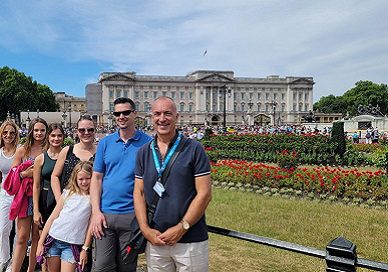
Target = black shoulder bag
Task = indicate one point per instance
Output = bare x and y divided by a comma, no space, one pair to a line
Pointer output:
138,242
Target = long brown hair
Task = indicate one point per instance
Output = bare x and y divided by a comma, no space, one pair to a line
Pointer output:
30,136
11,123
50,129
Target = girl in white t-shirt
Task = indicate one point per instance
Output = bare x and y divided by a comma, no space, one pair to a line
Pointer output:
65,237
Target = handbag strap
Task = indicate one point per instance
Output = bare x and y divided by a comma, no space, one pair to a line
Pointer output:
152,207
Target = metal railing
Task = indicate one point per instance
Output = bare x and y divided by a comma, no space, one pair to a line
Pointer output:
340,253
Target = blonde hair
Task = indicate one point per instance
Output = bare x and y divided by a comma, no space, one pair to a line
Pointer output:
72,186
11,123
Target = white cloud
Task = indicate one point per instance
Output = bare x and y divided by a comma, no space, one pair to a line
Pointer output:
336,42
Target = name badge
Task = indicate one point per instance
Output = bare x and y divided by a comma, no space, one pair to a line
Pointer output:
159,188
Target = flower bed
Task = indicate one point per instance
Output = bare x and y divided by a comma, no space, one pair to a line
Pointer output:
317,181
309,149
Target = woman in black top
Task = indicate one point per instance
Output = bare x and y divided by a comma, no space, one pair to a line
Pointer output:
85,150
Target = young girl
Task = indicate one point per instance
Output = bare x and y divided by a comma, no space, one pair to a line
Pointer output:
43,198
34,146
66,230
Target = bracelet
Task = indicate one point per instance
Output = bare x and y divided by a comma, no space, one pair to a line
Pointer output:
85,248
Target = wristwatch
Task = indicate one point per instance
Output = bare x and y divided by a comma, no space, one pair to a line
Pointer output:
185,224
85,248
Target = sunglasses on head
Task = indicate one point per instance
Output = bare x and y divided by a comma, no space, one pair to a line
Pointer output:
125,113
83,130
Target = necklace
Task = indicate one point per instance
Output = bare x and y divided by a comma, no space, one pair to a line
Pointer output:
8,153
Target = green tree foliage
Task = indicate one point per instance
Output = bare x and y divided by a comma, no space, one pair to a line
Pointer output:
338,137
20,93
364,93
330,104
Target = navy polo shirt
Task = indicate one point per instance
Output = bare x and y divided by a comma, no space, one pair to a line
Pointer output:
191,162
116,160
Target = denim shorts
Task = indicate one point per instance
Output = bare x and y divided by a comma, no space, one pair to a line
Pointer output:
63,250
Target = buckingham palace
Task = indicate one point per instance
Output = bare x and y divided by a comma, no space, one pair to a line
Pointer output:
206,97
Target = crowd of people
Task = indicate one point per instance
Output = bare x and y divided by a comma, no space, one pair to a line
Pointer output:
67,201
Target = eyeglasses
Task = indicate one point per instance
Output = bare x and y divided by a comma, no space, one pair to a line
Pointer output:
12,133
125,113
83,130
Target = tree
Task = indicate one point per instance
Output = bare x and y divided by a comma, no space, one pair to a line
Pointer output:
364,93
329,104
20,93
338,138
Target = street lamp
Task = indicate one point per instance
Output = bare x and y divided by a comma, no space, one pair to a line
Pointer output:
69,110
249,113
110,120
28,119
274,104
224,90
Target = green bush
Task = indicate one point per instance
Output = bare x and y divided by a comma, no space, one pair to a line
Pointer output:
287,160
338,137
68,141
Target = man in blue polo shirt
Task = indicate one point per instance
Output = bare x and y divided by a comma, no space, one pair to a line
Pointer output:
111,190
177,236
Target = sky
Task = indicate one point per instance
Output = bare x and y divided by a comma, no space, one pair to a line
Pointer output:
67,44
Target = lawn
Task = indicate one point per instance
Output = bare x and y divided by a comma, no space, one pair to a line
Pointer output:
309,223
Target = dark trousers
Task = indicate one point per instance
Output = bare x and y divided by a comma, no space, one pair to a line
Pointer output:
110,251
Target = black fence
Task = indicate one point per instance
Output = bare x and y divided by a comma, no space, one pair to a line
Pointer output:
340,254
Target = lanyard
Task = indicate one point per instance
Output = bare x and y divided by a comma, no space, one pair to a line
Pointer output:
160,169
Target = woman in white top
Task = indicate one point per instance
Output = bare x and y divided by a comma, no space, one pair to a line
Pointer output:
67,226
9,138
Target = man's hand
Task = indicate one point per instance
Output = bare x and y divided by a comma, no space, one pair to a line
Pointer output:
98,223
152,235
172,235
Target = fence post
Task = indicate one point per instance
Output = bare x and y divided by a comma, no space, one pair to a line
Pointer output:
341,256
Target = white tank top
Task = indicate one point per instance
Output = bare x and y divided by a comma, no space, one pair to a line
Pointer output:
72,222
5,164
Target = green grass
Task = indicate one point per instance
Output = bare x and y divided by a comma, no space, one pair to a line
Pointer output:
308,223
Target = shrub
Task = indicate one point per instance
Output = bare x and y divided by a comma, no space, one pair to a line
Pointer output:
287,160
68,141
338,137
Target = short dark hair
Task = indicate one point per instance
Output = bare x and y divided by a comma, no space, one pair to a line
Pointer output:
123,100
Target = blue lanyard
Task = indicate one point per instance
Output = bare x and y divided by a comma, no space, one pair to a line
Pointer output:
160,169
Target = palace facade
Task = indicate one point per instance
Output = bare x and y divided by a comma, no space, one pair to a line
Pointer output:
206,97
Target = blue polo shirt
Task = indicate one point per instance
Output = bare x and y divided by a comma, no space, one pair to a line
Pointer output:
191,162
116,160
